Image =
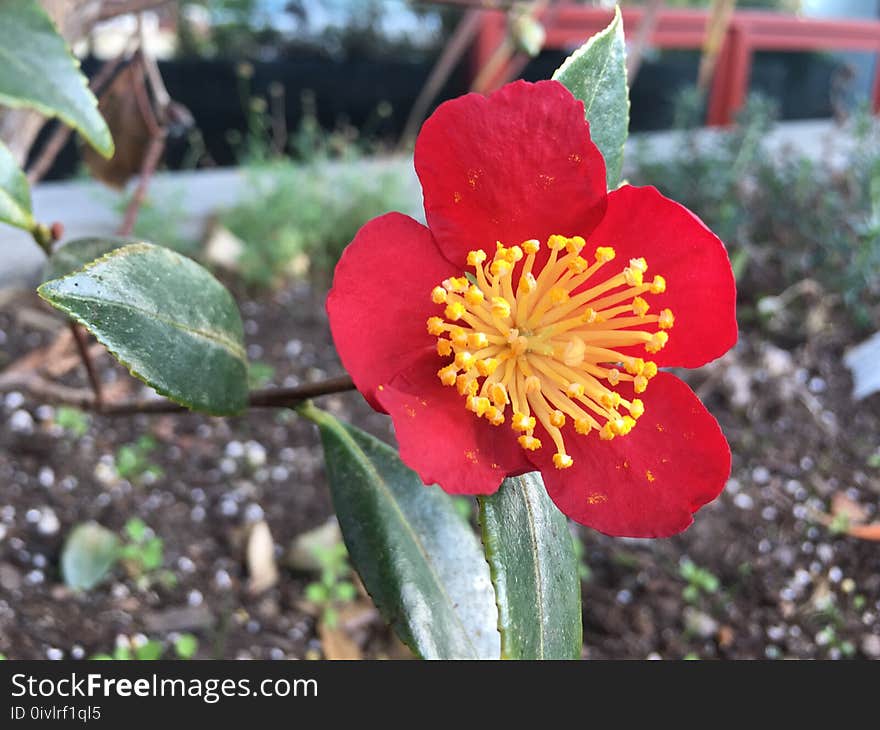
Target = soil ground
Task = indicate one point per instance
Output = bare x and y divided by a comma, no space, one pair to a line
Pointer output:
788,586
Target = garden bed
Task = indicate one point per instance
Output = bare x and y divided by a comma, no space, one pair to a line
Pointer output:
762,573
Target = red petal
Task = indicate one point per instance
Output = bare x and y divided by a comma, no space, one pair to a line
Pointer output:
518,164
651,481
700,288
443,442
381,299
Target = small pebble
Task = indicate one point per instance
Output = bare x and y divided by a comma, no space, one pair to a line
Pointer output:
54,654
13,400
195,598
21,422
743,501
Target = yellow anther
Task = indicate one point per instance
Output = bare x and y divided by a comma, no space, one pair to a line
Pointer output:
558,295
447,375
582,426
494,415
556,243
575,245
459,338
640,384
633,276
529,443
604,254
574,390
464,360
438,295
474,295
639,264
522,422
634,366
477,340
618,426
500,307
478,405
658,341
475,258
444,347
533,384
636,408
589,316
454,311
435,326
650,370
562,461
531,246
606,433
628,424
466,385
527,283
578,264
498,394
557,418
610,399
500,267
658,286
513,254
640,307
488,366
667,319
613,376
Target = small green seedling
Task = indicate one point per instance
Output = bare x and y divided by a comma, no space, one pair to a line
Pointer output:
143,553
72,420
260,374
699,581
132,460
335,588
185,647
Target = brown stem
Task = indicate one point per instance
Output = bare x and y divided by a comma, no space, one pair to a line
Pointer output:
56,394
151,161
82,347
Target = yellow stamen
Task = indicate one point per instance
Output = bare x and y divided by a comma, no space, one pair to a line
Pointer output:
553,345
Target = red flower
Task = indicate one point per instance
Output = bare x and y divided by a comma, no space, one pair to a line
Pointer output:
544,332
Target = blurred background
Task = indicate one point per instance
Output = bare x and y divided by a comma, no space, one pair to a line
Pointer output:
284,125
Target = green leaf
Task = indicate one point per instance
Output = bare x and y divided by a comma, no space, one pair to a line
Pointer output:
534,568
149,652
419,560
596,74
37,70
75,254
185,646
15,193
165,318
88,555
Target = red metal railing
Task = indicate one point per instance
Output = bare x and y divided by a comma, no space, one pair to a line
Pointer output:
749,31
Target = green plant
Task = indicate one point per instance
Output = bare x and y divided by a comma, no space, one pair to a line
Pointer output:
334,589
699,581
72,420
260,374
132,460
184,646
142,554
299,218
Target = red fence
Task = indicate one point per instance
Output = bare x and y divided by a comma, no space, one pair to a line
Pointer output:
749,31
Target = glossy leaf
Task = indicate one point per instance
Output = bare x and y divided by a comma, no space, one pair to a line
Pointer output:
420,561
75,254
534,569
596,74
165,318
88,555
15,193
37,70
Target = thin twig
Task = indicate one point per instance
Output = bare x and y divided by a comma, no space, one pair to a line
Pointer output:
56,394
82,347
151,162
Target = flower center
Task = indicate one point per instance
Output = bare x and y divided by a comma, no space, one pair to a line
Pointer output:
547,346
